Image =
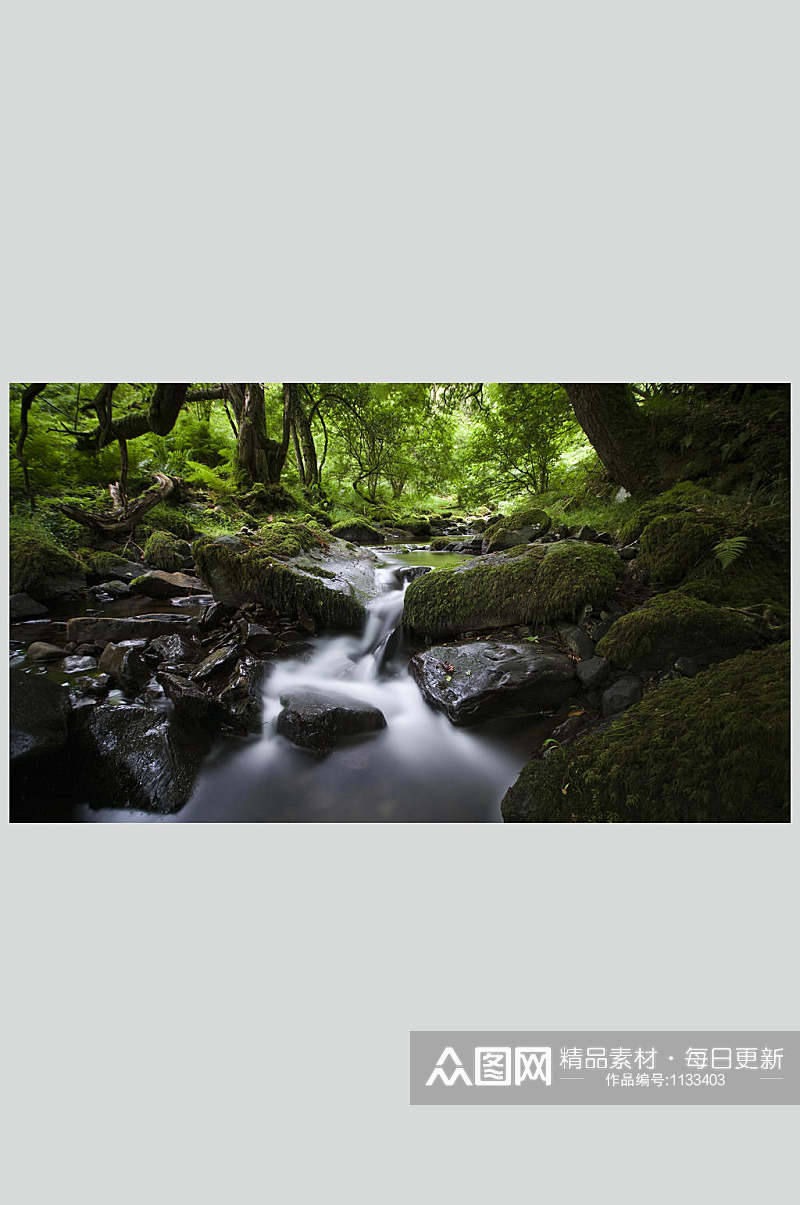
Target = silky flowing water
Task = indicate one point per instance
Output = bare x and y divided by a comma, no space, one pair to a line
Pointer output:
419,768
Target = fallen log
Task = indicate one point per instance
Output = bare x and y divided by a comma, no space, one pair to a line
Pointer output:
123,519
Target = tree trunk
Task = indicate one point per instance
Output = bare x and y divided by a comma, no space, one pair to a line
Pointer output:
160,417
617,431
247,403
28,396
305,449
125,517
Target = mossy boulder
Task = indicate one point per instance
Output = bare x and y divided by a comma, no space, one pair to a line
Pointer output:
679,550
240,571
358,531
520,527
676,625
285,539
41,567
165,551
706,749
532,584
266,499
681,498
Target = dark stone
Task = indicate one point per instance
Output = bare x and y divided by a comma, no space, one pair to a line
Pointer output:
172,649
629,552
687,667
576,639
485,679
622,694
320,721
75,665
40,651
159,584
242,698
407,573
357,533
38,710
583,533
111,590
100,630
93,684
22,606
214,615
120,570
216,661
137,757
125,666
256,639
604,537
40,629
593,672
569,729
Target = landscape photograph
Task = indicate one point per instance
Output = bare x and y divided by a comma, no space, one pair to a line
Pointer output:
399,602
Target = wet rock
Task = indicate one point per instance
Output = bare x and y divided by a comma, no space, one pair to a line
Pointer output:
576,640
74,664
137,757
189,699
216,661
593,672
687,667
157,583
604,537
256,639
213,616
482,680
622,694
357,533
38,710
118,569
173,649
520,527
629,552
94,684
22,606
113,590
407,573
242,698
40,651
125,666
100,630
320,721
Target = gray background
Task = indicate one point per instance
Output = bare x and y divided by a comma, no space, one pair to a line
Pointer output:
213,1013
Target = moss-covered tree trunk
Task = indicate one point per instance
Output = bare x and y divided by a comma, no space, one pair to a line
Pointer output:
617,431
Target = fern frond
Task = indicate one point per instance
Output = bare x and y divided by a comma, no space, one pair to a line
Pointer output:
728,550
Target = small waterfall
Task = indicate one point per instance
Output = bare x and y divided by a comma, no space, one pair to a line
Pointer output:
383,615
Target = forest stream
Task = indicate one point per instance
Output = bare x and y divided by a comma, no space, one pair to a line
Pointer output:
418,768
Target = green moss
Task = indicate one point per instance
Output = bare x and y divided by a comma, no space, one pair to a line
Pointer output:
541,583
249,573
357,529
710,748
685,496
526,517
165,551
439,543
266,499
98,560
676,625
286,539
673,547
169,518
38,564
